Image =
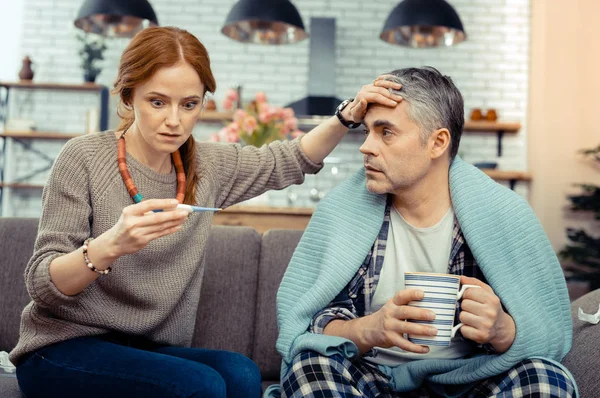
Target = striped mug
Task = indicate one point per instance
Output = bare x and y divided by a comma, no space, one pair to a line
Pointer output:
441,294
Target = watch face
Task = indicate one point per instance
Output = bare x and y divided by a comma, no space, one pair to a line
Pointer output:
344,104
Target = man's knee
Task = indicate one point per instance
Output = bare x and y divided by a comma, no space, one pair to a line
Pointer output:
310,366
538,376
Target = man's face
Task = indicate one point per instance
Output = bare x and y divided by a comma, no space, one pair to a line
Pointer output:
395,156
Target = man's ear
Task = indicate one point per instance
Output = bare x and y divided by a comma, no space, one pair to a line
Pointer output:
439,142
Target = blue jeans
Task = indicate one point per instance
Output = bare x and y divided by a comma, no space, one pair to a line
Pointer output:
120,366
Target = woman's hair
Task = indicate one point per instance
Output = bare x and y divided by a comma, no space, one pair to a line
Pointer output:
150,50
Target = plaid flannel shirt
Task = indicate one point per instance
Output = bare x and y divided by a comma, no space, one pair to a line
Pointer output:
355,299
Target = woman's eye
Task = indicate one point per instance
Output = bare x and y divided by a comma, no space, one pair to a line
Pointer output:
190,105
156,103
366,132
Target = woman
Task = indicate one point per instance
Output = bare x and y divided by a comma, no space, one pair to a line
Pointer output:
96,333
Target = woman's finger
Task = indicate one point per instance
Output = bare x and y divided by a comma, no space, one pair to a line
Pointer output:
145,206
157,219
359,109
379,98
382,81
381,90
164,232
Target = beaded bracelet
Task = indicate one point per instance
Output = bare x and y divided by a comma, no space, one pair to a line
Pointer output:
88,263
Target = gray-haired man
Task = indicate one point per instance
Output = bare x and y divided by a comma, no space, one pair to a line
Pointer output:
433,213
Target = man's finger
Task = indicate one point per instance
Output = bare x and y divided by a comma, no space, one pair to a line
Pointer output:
413,313
404,297
467,280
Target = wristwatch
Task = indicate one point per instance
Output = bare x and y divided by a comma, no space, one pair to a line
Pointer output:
338,113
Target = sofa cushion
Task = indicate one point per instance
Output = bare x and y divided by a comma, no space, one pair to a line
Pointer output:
16,245
277,249
225,318
584,358
9,388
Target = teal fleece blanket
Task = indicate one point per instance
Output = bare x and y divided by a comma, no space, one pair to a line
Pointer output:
505,238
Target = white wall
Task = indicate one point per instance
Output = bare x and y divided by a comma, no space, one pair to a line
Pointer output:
563,124
491,69
11,30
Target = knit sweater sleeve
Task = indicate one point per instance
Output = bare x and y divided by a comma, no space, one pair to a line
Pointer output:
64,222
245,172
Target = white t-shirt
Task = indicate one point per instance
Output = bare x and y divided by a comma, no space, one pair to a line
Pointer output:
412,249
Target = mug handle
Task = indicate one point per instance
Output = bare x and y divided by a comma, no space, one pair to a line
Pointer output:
458,297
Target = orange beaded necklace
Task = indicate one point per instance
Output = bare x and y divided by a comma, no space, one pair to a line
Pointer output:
132,189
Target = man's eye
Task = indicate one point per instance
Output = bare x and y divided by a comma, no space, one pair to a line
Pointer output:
386,132
366,132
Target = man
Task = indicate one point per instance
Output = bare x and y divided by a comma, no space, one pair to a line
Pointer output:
416,206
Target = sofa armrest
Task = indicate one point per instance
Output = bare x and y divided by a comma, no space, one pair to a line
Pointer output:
584,358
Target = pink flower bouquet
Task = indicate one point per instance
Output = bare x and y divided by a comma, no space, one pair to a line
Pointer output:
259,123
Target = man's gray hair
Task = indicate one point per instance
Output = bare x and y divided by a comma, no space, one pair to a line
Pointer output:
434,102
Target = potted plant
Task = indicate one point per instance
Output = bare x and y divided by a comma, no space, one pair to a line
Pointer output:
582,254
91,51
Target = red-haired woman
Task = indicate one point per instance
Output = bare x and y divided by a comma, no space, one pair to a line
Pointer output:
90,332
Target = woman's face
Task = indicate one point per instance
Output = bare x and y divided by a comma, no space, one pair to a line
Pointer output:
167,106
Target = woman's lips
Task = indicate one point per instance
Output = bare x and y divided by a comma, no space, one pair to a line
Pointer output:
170,137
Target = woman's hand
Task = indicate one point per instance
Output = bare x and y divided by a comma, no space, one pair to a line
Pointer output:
138,225
376,93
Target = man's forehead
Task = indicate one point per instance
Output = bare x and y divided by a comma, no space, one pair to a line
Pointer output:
378,113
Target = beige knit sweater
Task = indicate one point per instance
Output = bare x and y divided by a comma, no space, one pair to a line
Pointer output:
153,293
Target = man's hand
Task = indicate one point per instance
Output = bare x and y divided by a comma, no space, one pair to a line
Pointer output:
484,321
375,93
385,327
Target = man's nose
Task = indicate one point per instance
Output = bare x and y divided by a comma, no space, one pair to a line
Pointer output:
369,147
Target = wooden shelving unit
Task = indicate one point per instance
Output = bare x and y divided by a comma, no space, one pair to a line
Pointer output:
26,138
52,86
17,185
38,135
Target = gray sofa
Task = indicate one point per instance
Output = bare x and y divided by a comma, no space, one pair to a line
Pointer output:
237,304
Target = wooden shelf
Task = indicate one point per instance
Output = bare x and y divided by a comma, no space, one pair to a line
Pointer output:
24,84
264,218
21,185
248,209
506,175
491,127
215,116
38,134
499,128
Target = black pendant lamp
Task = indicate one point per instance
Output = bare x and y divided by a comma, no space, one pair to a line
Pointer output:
264,22
422,24
115,18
